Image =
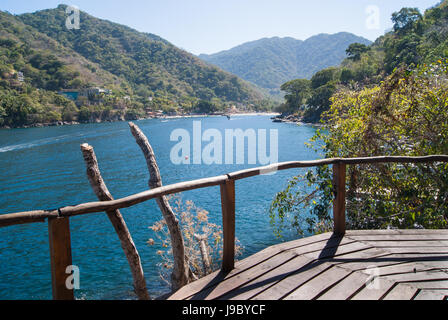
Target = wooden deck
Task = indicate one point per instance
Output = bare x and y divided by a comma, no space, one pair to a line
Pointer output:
367,265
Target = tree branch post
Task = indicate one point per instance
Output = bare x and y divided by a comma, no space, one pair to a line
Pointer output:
115,217
181,269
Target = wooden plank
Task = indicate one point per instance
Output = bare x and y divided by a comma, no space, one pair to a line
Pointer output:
339,179
409,243
301,242
315,286
429,258
60,257
362,233
392,269
358,260
228,224
12,219
417,250
285,286
361,264
401,291
430,285
399,237
386,280
347,287
345,247
426,294
373,292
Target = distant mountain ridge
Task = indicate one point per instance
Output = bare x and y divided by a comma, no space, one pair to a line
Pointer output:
270,62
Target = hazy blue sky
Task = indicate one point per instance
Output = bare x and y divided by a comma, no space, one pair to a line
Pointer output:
208,26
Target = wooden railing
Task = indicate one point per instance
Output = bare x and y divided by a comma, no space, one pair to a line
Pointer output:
58,219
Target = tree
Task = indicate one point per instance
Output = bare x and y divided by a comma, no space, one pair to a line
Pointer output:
70,112
323,77
355,50
204,106
319,102
405,18
403,50
297,93
346,75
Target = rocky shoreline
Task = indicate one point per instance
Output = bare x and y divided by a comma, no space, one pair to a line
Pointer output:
287,119
293,119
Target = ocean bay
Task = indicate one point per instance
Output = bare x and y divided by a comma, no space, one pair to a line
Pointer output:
43,169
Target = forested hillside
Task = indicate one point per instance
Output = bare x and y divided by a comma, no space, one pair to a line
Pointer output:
141,73
33,68
152,66
270,62
416,39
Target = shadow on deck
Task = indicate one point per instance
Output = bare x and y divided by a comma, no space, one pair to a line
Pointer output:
366,265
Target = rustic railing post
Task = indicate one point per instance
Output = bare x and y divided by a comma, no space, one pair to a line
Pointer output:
228,224
60,257
339,176
182,273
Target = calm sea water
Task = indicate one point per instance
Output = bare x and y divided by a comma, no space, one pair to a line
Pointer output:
42,168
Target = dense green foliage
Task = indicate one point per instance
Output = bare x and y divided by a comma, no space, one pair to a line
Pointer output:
312,97
22,49
416,39
269,62
403,114
144,73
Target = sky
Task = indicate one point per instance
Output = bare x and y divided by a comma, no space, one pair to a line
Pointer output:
210,26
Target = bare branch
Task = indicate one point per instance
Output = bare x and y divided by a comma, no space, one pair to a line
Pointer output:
115,217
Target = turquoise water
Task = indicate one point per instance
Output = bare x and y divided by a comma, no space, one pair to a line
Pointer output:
42,168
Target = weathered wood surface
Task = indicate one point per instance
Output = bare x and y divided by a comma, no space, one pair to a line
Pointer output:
127,243
339,180
60,257
366,265
228,224
347,161
181,269
92,207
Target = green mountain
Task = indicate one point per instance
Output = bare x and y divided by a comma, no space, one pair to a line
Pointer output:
147,61
142,73
270,62
36,46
